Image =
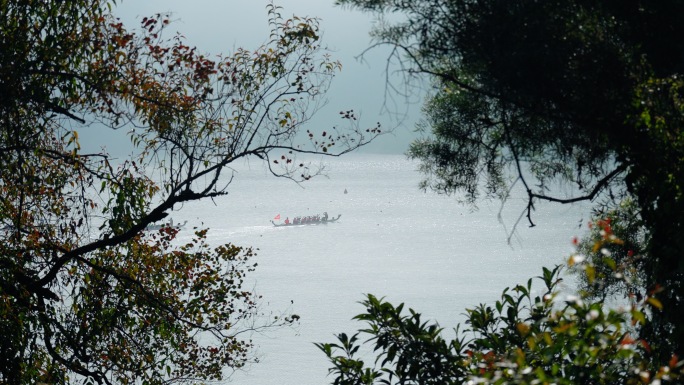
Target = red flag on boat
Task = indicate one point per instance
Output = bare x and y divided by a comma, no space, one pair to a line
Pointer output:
277,216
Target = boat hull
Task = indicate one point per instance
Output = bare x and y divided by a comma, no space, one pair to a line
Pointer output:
321,222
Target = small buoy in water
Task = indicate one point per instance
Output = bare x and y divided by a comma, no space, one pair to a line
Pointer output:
345,191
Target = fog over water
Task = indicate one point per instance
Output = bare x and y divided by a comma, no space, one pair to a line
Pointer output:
392,240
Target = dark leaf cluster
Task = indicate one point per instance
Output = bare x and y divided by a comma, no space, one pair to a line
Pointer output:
533,94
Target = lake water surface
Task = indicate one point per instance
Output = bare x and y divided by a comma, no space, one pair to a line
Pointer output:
392,240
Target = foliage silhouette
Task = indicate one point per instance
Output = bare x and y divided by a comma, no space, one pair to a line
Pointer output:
584,93
86,296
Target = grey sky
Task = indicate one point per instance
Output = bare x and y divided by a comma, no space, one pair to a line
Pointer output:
220,26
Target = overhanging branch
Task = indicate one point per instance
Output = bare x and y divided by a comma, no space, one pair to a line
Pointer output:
600,185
